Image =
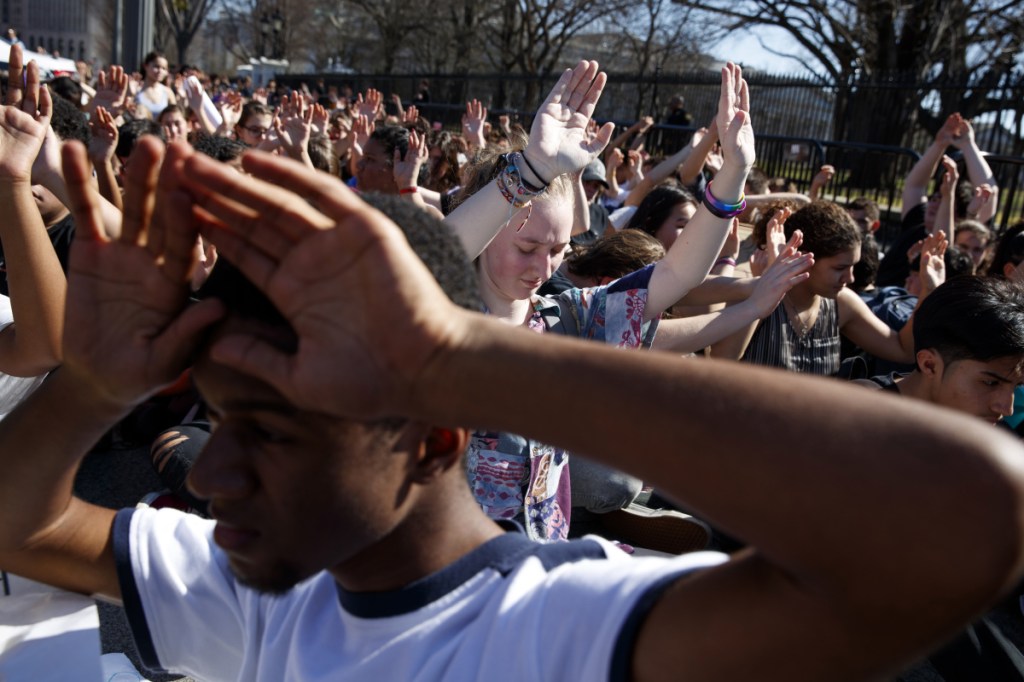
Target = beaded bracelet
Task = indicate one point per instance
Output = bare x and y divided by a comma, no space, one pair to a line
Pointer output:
721,209
510,183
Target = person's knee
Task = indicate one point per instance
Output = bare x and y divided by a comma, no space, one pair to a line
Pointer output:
601,489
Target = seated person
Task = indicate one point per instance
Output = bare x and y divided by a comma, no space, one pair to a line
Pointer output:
969,337
803,333
347,544
969,348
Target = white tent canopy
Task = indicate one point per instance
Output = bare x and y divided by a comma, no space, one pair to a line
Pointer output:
49,67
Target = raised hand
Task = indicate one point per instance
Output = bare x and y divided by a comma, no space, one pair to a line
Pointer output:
982,195
949,177
788,270
24,120
949,130
733,120
615,159
411,115
230,111
295,125
964,136
933,266
775,235
362,128
558,141
104,137
260,95
473,122
321,120
370,105
129,329
407,170
820,180
302,237
111,90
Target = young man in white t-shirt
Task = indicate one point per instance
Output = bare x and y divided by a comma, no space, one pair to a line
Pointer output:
347,544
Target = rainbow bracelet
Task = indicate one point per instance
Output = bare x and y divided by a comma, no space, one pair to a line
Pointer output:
721,209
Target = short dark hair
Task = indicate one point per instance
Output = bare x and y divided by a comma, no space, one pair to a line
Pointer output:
392,138
66,87
1010,249
321,154
152,57
972,318
251,109
68,122
170,109
431,240
828,229
865,271
130,132
869,206
656,207
218,147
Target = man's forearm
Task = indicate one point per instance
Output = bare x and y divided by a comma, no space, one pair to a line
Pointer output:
790,492
41,444
915,187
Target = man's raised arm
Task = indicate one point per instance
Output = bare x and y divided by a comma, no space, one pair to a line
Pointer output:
868,545
128,332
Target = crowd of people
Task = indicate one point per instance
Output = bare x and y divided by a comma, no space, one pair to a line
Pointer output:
341,332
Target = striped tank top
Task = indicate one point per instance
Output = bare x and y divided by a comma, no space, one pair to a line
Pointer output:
777,344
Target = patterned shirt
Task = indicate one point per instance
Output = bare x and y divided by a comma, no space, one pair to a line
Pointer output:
513,477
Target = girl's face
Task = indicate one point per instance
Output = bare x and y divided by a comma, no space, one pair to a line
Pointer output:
175,126
669,231
832,274
519,261
254,128
157,70
971,244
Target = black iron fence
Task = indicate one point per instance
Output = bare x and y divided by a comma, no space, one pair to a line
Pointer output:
887,109
801,123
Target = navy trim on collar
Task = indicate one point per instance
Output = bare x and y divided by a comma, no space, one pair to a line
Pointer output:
130,594
503,554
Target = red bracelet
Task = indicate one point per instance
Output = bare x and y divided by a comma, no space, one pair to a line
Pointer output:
409,190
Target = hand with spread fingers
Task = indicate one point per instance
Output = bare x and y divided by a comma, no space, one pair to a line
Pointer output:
559,142
789,269
128,328
302,237
25,119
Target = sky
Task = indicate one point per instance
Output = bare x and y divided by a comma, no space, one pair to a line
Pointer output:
744,47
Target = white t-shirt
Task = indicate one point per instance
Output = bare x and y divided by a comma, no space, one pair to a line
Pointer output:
13,389
510,610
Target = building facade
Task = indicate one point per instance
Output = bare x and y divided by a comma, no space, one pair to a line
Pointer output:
59,27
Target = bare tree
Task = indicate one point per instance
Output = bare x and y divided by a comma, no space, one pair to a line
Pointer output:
184,17
869,42
658,34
